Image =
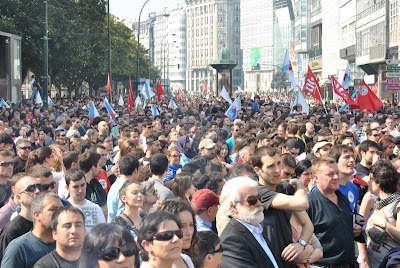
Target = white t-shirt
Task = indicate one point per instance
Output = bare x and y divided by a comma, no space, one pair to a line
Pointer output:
93,214
62,190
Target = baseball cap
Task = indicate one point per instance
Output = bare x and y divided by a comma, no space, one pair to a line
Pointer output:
204,199
206,144
321,144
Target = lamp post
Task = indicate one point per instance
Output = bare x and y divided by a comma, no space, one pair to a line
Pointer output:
109,46
45,57
138,46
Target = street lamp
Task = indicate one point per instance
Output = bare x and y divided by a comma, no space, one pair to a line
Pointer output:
138,45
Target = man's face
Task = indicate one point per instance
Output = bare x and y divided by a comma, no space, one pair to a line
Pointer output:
375,136
157,126
270,172
77,123
247,157
369,155
202,115
42,135
281,131
34,135
23,150
351,121
77,190
218,120
50,182
346,163
389,123
192,119
345,127
248,111
324,150
286,172
262,109
337,116
24,197
44,218
294,151
103,156
134,137
108,144
310,129
227,121
103,127
327,178
85,121
155,147
208,152
6,166
244,211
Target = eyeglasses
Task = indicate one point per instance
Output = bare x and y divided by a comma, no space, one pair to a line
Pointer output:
376,135
288,174
168,235
176,155
220,250
45,187
252,200
110,254
25,148
6,164
32,188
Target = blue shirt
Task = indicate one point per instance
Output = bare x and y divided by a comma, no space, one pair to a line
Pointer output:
231,143
256,106
351,192
114,204
203,225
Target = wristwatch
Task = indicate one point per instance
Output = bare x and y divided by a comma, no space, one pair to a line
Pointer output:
384,225
308,259
303,243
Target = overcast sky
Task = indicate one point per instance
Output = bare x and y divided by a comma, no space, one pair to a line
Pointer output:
130,9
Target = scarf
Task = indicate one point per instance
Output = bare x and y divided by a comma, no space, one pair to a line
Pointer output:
390,199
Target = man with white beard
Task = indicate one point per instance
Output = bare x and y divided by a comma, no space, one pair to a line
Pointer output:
243,240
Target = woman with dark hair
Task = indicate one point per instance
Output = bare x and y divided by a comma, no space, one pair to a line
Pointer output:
204,163
184,147
223,155
382,231
184,212
160,240
109,245
209,250
183,187
387,146
41,156
303,172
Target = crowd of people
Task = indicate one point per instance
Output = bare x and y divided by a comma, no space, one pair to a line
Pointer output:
192,187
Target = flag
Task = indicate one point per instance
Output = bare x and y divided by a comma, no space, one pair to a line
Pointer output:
252,95
179,95
346,78
343,93
301,100
344,106
121,100
287,67
375,88
49,101
105,100
232,111
38,99
224,94
207,97
172,104
4,104
311,86
138,101
108,84
154,111
109,109
240,89
367,100
160,90
93,113
130,99
205,87
146,91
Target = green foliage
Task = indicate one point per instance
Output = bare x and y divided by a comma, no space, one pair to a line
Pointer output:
279,80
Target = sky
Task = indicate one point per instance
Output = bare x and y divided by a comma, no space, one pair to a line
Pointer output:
130,9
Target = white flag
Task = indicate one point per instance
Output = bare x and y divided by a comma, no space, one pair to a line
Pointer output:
301,100
3,103
224,94
138,101
121,100
236,106
49,101
172,104
38,99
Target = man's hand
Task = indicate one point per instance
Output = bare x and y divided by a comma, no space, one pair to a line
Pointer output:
357,230
292,251
297,184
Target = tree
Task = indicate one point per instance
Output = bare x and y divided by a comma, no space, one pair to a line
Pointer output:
279,80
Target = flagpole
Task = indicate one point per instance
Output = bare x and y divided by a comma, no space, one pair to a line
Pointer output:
323,101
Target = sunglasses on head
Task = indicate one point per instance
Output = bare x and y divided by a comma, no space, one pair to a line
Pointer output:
220,250
168,235
252,200
6,164
112,253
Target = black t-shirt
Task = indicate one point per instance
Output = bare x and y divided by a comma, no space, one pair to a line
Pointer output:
54,260
362,171
95,193
15,228
276,225
19,165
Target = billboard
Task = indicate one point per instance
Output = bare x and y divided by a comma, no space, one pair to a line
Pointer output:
255,57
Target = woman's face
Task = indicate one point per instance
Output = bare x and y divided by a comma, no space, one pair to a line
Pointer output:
133,197
306,176
389,149
167,250
224,150
174,136
207,169
190,191
175,158
187,228
121,261
187,145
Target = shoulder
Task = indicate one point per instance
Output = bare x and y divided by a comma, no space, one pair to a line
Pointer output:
47,261
187,260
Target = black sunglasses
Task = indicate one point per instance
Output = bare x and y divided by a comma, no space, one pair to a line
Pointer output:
252,200
25,148
32,188
168,235
6,164
220,250
288,174
110,254
45,187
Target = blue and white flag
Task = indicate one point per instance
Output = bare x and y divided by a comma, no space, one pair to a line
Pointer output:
138,101
301,100
232,111
240,90
287,67
154,111
38,99
93,113
3,103
172,104
109,109
121,100
146,91
49,101
344,106
224,94
346,77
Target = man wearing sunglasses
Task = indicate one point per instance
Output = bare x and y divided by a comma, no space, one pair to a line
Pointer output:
68,225
23,150
243,239
6,166
27,249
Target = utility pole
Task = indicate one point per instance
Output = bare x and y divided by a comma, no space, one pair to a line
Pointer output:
45,57
109,47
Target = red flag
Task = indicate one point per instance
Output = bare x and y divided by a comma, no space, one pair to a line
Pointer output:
108,84
339,90
375,88
130,100
205,87
311,86
179,95
367,100
160,90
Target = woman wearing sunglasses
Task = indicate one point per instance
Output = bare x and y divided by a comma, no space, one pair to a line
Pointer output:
174,158
160,239
109,246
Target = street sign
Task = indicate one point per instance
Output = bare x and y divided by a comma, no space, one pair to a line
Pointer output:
393,74
392,62
119,85
393,81
392,87
393,68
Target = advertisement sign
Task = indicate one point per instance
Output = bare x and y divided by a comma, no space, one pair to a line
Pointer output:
255,56
315,64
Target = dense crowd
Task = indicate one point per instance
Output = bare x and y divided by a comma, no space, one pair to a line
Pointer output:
193,187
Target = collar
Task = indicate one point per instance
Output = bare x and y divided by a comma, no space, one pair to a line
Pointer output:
253,229
204,222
